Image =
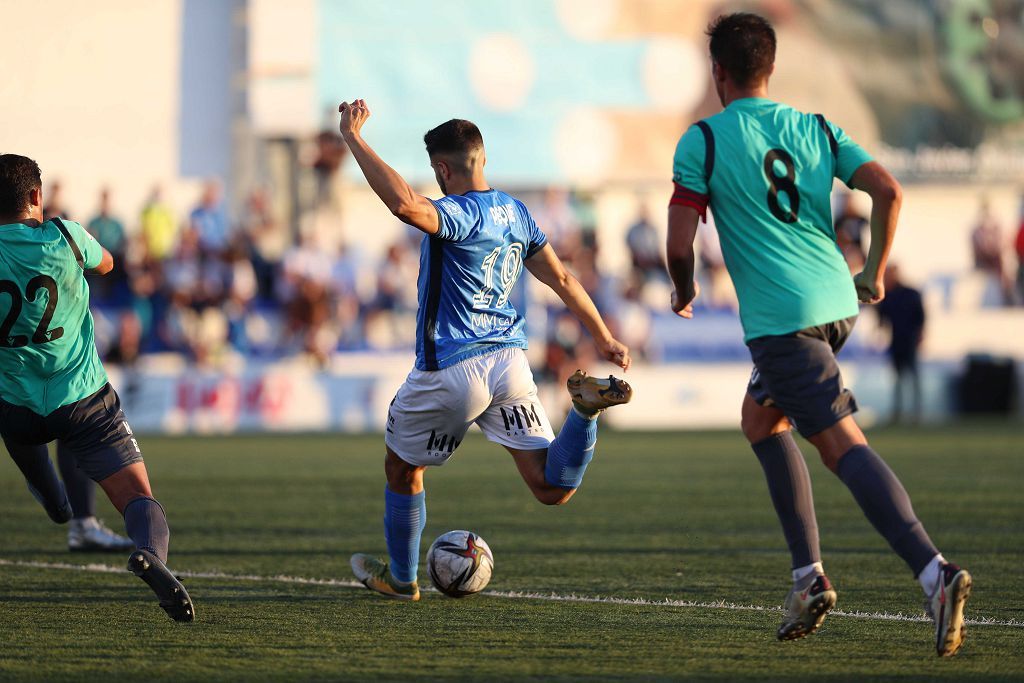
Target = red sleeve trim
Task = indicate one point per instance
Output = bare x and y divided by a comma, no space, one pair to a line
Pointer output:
686,197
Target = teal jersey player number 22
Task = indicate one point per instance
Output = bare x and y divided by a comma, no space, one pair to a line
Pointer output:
774,199
48,353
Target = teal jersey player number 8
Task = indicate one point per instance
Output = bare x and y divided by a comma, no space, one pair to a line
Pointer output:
772,209
48,353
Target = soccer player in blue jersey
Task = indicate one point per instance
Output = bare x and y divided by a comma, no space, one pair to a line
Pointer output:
470,365
766,171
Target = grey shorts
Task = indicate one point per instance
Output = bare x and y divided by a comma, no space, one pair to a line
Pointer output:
798,374
93,430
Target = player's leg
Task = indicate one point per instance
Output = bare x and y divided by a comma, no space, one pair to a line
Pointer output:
553,467
789,486
426,422
96,434
34,462
803,378
886,504
86,532
405,516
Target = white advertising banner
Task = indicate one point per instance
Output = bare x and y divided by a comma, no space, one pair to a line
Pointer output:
353,396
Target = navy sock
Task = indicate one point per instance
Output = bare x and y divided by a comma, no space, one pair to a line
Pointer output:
404,519
41,477
886,505
789,485
81,489
146,523
571,451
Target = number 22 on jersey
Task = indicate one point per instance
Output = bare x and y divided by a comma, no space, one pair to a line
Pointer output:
42,335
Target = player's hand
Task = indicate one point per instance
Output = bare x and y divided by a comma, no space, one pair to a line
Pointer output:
870,289
615,351
684,310
353,116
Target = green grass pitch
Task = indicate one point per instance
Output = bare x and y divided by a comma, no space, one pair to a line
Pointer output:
680,517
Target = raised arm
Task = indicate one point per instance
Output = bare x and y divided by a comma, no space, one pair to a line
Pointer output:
408,206
548,268
682,229
886,199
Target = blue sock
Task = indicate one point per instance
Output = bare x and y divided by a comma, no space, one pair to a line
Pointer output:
571,451
404,519
146,523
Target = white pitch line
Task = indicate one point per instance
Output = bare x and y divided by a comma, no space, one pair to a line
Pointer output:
516,595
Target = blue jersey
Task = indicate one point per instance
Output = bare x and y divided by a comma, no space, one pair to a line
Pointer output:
468,270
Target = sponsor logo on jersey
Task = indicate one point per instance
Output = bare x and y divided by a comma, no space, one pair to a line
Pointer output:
450,206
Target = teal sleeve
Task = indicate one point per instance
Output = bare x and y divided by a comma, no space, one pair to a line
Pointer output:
849,155
688,162
92,252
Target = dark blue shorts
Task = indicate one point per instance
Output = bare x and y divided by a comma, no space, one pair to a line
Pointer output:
93,429
798,374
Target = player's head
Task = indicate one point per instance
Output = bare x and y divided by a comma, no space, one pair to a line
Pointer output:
21,188
742,49
456,150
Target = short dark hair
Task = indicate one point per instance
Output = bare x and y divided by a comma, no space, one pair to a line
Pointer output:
744,45
457,137
18,177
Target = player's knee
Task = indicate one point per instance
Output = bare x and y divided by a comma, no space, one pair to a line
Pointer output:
553,495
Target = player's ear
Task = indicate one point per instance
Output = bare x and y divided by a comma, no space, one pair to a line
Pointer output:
35,197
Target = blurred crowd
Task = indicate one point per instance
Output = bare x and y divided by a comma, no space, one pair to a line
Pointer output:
210,285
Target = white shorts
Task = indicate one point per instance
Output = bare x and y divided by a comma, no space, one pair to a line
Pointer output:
432,411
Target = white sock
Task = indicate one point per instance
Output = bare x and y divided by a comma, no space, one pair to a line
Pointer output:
801,572
929,576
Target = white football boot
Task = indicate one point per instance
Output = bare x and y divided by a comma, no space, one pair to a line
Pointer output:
89,534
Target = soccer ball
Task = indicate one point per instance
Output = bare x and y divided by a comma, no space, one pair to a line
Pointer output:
459,563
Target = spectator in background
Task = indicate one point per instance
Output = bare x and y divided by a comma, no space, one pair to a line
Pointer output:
849,228
54,202
267,240
644,245
330,153
902,312
109,232
987,248
158,226
557,218
210,220
305,290
716,285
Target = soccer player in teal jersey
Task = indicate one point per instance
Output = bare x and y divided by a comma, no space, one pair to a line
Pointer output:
52,384
470,339
766,171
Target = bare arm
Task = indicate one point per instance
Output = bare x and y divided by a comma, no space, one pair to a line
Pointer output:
549,269
886,199
106,264
408,206
682,230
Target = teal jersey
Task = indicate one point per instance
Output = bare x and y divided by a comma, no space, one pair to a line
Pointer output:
48,353
766,171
